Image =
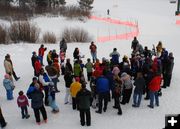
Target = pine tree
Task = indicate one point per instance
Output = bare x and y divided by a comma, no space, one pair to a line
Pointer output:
62,2
86,4
42,3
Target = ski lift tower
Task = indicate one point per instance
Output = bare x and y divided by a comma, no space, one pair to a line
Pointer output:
178,7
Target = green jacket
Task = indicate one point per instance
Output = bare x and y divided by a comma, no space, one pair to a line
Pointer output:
89,67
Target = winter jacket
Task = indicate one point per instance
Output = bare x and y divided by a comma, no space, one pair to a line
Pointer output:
68,68
68,80
74,88
83,99
77,69
102,85
8,67
52,71
49,58
57,66
33,60
93,48
170,65
115,57
155,83
41,51
44,79
63,45
36,99
127,82
89,67
38,67
139,84
134,44
8,84
22,101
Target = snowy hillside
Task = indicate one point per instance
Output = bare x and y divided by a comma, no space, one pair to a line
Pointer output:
156,22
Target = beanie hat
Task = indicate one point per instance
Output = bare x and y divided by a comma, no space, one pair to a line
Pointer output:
77,79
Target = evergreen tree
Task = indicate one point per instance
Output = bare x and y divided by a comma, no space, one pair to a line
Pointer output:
41,3
62,2
86,4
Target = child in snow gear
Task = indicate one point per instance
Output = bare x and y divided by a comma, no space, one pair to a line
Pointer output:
9,86
63,45
115,56
83,99
23,103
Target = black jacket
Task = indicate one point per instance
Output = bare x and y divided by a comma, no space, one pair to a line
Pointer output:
139,84
83,98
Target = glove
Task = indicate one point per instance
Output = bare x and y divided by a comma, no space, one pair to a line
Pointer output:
51,83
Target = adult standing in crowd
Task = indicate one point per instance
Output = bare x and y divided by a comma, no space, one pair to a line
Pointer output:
35,94
93,50
63,45
134,43
9,67
115,56
41,51
102,89
83,99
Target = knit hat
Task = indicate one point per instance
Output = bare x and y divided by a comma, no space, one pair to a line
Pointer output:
77,79
6,76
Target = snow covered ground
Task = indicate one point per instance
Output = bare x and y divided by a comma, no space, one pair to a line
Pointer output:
156,22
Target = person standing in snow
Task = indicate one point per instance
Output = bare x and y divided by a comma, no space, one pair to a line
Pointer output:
127,87
102,89
117,93
35,94
22,102
3,123
9,86
93,50
139,84
74,88
134,44
68,78
115,56
45,80
89,68
154,87
9,67
63,45
83,99
33,60
41,51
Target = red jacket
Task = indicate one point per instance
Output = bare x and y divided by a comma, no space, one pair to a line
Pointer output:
41,51
155,83
37,66
22,101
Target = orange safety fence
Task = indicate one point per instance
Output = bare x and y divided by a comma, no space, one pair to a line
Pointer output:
123,36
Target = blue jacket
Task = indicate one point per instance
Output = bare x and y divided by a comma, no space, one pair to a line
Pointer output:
102,85
8,84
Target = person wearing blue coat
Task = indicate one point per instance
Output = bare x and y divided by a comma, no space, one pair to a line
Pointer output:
35,94
9,86
102,88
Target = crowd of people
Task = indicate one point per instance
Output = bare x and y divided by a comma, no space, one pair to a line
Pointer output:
145,72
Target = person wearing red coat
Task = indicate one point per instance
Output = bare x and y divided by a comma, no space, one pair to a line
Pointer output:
38,67
41,51
154,87
22,102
